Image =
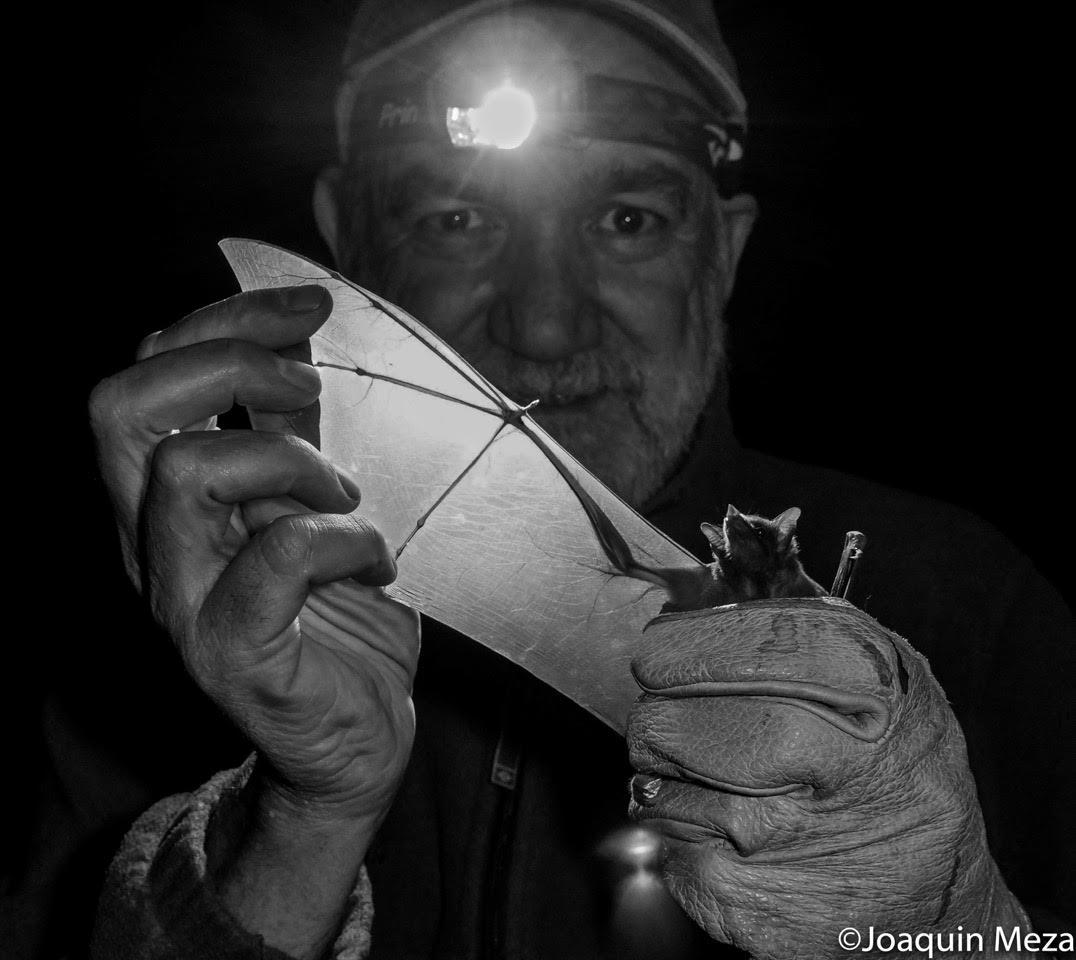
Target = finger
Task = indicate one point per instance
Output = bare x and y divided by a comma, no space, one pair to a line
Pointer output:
197,478
270,318
133,410
695,814
127,423
280,319
198,475
184,386
754,746
258,514
263,589
305,423
830,658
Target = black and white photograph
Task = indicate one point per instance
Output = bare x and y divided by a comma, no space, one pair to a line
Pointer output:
542,480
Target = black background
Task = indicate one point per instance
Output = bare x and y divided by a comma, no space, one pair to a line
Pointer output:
896,316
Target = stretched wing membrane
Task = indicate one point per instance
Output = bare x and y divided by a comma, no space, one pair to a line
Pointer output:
488,515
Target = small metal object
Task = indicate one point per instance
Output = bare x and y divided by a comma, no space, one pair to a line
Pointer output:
644,790
854,545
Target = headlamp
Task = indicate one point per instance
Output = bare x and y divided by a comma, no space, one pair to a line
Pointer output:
486,109
504,119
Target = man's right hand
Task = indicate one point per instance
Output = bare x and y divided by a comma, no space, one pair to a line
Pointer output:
242,541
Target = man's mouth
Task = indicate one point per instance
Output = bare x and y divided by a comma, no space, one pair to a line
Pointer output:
561,399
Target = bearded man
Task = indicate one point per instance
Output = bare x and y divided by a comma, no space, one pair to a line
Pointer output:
589,269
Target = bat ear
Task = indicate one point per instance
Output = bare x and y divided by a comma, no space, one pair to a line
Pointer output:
735,522
741,541
786,523
716,537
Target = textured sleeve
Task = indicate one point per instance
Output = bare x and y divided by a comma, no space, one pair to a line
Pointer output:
156,905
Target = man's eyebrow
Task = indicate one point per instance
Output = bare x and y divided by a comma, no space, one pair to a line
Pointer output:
421,180
627,178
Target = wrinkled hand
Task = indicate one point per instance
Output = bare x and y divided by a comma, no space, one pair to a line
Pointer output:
808,775
242,540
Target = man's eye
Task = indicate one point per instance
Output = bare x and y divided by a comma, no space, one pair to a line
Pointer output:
453,221
457,232
629,221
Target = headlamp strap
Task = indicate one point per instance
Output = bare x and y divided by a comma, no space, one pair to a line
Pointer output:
600,108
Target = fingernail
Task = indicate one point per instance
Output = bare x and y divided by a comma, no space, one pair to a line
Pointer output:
147,348
349,486
385,571
390,568
305,298
301,374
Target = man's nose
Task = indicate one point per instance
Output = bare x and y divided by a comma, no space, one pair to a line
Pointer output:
546,306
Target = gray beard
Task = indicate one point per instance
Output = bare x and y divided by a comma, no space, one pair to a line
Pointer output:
626,418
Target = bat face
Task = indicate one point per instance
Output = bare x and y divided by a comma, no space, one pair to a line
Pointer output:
757,558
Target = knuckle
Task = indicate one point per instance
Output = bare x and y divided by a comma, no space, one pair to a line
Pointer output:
235,354
174,460
107,404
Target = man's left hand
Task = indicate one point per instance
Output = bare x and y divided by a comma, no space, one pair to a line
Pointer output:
810,780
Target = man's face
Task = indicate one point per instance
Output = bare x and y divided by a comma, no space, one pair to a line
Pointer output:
589,276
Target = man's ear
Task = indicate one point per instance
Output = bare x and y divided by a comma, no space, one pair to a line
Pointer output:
327,208
738,214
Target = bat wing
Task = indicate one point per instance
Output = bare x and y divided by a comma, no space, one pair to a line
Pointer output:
499,532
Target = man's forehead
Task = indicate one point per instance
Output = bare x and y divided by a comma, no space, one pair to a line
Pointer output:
590,171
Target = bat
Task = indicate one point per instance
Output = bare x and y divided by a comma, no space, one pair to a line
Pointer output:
754,559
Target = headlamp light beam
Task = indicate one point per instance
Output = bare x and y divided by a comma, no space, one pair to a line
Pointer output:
504,119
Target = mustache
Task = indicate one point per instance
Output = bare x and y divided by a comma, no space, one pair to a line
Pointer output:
560,381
